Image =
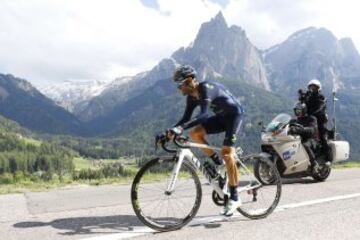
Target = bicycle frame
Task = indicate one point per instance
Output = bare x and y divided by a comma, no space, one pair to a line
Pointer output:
186,153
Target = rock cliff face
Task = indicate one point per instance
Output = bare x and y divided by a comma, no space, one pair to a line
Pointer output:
219,50
313,53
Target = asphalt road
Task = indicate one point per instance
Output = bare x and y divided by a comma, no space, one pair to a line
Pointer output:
307,210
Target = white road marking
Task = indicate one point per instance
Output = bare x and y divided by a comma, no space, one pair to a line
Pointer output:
139,231
317,201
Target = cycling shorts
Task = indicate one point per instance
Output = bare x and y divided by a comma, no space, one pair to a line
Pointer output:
231,124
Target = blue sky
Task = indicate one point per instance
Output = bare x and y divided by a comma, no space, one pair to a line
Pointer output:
65,40
151,4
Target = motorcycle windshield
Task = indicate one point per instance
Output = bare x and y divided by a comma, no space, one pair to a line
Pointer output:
278,122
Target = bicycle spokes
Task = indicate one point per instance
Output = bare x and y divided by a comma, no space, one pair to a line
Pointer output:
259,199
159,207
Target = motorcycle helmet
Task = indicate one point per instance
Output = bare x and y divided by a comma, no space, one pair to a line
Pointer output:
315,82
300,109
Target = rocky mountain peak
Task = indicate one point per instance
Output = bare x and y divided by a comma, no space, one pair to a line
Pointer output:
311,40
219,50
311,33
214,31
313,53
219,17
218,22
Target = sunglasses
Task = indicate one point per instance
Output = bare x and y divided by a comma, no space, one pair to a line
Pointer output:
180,83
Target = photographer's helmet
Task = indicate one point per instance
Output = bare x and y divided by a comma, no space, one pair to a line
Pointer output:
315,82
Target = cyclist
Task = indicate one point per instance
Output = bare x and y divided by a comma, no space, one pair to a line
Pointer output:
227,117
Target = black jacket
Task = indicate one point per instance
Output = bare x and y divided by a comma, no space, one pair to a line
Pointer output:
309,130
316,105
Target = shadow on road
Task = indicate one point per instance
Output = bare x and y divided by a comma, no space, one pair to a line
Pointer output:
298,180
88,225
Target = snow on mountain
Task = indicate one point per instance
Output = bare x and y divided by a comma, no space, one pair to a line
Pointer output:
121,89
70,93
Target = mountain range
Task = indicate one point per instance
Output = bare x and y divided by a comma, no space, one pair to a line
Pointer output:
266,82
23,103
313,53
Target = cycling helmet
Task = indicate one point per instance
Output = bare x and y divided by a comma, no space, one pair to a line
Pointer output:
183,72
315,82
300,109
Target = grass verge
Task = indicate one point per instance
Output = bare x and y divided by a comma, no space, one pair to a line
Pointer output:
346,165
26,185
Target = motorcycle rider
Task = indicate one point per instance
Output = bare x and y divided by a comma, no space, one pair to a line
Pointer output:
316,106
305,125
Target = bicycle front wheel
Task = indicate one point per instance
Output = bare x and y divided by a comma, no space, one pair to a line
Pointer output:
158,208
259,199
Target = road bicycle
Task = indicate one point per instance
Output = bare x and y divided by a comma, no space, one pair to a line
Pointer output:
166,192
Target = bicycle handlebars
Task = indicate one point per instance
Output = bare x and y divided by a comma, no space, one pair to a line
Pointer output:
178,141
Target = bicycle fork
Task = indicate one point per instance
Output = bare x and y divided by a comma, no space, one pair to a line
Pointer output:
175,172
180,156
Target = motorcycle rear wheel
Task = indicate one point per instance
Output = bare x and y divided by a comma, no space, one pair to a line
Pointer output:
322,174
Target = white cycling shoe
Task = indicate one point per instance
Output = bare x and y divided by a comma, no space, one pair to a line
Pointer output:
231,207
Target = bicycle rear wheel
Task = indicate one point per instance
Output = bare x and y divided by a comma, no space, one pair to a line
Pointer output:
159,209
258,199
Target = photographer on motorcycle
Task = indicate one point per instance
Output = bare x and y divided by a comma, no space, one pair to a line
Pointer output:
305,125
316,105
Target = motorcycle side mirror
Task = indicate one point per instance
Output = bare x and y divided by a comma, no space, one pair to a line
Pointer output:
261,125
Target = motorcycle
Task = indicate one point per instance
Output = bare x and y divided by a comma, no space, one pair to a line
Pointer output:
290,156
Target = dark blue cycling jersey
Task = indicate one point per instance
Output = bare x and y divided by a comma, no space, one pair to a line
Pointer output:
214,96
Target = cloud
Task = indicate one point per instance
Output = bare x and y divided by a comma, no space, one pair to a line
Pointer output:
53,41
222,3
270,22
